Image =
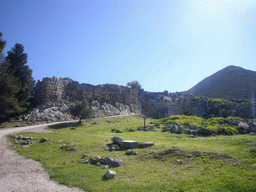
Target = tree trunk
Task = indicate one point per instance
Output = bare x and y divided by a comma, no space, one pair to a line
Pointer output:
145,121
80,120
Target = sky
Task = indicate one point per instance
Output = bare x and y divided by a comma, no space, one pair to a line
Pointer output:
164,45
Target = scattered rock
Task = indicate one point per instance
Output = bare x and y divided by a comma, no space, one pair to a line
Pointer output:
130,152
85,155
119,131
86,161
104,161
179,161
27,142
106,167
117,140
110,174
131,130
114,147
68,147
116,162
73,128
43,140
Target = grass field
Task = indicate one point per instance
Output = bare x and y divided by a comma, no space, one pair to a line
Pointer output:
176,162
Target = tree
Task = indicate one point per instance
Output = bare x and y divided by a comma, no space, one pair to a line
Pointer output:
82,110
9,87
2,43
17,63
134,85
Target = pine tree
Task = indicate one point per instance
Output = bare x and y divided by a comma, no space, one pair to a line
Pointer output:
17,63
9,87
2,43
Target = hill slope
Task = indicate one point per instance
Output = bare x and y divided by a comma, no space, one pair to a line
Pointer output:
230,82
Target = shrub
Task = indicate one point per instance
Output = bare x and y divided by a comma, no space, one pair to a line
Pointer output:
243,127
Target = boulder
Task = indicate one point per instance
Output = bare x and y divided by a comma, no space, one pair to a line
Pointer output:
129,144
110,174
116,162
145,144
117,140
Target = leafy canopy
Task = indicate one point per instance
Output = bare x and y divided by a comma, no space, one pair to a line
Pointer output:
82,110
134,85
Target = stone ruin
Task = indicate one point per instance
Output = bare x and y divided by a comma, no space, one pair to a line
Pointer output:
53,95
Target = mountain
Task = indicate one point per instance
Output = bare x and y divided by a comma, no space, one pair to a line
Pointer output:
230,82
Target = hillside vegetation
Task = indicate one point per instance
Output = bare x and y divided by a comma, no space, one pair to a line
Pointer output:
176,162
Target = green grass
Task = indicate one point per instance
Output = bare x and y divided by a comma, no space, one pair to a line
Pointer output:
211,123
220,163
218,100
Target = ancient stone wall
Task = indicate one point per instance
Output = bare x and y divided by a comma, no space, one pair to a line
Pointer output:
157,105
54,89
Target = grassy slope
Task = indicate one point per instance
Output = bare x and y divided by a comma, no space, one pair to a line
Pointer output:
150,169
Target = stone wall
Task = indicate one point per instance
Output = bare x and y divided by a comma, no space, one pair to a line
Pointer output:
55,89
114,99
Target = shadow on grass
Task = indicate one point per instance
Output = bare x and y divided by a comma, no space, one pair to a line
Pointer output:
104,178
64,125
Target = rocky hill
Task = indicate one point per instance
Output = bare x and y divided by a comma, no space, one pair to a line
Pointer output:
231,82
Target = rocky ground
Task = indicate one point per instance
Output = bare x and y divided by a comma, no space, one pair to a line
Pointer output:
59,111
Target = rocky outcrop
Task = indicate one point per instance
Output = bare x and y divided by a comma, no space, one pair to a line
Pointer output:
48,112
58,111
206,107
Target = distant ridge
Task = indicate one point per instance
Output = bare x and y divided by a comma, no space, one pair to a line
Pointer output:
230,82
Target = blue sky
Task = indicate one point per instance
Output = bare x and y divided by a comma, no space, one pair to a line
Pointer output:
165,44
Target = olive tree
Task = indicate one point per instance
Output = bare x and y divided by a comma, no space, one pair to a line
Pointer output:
82,110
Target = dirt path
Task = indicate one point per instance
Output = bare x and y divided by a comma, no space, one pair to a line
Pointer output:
18,174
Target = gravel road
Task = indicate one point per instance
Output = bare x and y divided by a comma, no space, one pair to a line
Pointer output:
18,174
